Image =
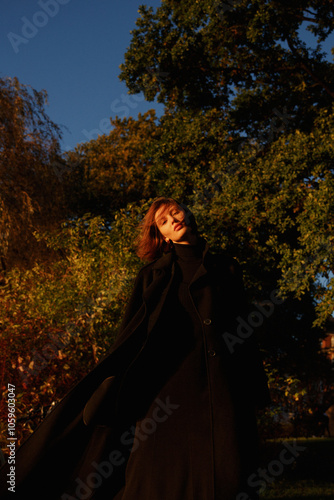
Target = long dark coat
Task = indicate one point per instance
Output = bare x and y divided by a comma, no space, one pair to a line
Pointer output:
83,446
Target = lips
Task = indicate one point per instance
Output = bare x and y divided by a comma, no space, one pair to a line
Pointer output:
178,227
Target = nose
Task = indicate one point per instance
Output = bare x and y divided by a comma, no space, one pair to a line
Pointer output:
171,218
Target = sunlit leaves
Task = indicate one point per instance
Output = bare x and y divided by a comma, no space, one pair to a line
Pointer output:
31,195
114,167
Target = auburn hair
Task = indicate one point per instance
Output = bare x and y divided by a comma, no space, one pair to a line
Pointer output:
150,242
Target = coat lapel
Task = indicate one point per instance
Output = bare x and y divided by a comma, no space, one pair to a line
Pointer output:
155,295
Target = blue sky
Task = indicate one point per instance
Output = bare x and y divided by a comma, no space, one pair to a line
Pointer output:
74,52
73,49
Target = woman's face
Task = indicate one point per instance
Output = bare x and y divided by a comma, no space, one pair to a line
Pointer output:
172,224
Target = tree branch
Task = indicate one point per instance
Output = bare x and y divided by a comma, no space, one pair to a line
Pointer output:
304,18
308,70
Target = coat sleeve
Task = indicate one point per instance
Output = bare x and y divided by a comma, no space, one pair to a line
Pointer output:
135,301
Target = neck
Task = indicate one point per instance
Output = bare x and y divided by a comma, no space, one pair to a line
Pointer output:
191,240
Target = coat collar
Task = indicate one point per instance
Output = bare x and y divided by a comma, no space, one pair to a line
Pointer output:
167,260
164,262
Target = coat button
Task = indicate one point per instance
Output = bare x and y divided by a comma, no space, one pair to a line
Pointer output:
212,353
207,321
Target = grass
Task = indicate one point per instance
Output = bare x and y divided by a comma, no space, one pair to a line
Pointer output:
309,476
299,490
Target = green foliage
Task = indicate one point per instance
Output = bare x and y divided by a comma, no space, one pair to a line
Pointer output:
246,57
274,210
286,392
297,403
189,142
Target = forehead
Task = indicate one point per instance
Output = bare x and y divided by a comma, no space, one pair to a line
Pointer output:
165,209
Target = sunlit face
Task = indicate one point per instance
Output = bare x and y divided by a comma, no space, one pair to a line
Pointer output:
172,224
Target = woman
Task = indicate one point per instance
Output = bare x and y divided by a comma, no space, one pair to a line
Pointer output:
170,411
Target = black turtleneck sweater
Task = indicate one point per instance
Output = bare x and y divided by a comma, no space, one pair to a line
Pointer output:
188,258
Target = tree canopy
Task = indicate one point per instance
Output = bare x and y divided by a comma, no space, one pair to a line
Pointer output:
247,57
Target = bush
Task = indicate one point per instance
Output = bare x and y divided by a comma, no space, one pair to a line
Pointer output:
57,320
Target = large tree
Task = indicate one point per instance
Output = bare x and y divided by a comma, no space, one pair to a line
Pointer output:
31,193
248,57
